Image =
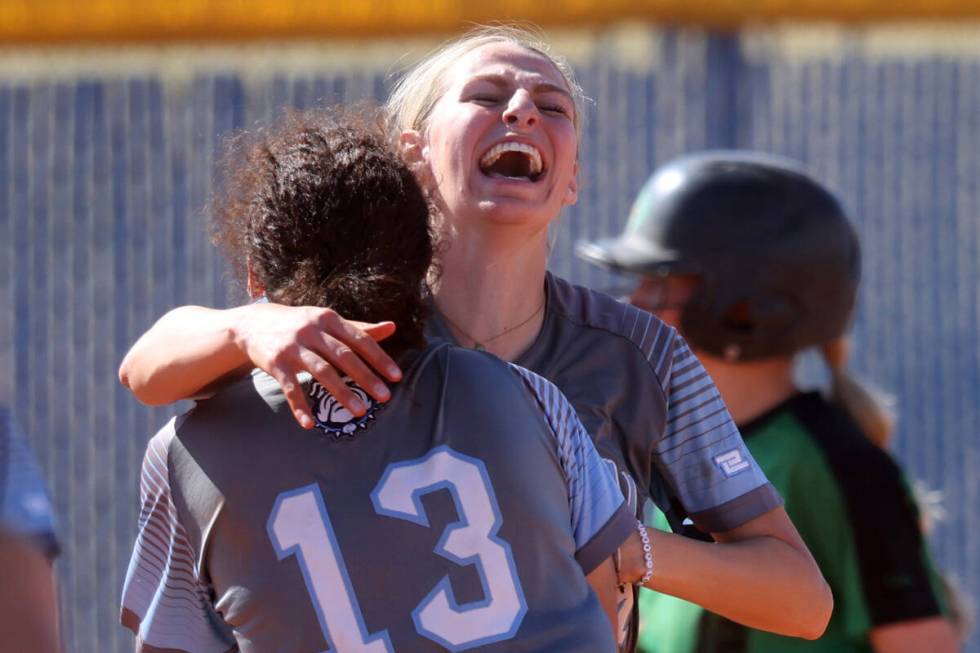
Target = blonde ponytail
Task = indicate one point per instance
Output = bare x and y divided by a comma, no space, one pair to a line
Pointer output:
873,411
869,407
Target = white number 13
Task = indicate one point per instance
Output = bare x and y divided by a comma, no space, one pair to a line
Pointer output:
299,525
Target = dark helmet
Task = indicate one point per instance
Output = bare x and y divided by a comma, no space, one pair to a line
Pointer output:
778,261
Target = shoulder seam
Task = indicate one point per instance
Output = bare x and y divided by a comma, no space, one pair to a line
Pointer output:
527,378
660,381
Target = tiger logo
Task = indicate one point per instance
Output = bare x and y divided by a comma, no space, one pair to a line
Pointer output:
336,421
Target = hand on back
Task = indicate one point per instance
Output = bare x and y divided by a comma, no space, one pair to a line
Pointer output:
286,340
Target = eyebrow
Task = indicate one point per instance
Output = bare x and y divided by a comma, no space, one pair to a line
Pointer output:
541,87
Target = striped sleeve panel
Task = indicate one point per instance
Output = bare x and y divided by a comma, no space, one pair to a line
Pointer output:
601,520
163,601
674,413
701,452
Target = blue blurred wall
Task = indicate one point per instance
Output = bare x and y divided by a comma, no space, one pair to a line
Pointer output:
106,163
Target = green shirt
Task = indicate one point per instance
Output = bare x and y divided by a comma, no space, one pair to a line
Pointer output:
854,510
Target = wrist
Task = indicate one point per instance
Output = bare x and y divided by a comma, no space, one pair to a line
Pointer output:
236,327
636,557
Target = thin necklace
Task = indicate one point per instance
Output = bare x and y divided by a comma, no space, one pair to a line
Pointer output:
482,345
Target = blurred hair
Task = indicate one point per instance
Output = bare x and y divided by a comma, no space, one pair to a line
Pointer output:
960,606
416,93
321,210
868,407
872,411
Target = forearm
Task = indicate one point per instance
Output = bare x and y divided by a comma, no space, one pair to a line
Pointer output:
603,582
28,598
760,582
186,350
933,634
760,574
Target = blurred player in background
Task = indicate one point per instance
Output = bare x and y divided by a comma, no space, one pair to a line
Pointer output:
465,512
28,548
491,124
753,261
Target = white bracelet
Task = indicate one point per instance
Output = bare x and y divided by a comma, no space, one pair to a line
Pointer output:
647,552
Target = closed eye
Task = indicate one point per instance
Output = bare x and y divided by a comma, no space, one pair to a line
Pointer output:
555,108
484,99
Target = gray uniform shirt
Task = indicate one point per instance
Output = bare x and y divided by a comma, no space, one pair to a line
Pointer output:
464,514
649,406
651,409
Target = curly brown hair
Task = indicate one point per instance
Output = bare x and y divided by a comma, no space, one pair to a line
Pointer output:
322,211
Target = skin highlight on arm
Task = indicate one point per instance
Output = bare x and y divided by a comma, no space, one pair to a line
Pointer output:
187,349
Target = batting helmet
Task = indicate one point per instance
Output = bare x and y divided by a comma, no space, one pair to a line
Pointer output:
777,259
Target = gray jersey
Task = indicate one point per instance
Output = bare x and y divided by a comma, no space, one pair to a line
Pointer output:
649,406
25,507
463,514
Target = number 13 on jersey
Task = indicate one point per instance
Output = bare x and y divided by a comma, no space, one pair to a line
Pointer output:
300,525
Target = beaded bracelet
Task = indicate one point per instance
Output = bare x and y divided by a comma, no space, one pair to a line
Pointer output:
647,552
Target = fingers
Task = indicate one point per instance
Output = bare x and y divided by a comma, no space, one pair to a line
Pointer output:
362,338
378,331
336,354
285,341
327,376
285,371
292,389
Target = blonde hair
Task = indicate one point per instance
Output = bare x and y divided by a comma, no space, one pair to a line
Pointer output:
869,407
416,93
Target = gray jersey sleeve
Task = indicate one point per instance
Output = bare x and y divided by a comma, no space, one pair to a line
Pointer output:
702,454
601,520
25,507
163,600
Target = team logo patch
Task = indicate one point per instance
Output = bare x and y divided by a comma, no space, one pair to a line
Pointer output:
731,462
336,421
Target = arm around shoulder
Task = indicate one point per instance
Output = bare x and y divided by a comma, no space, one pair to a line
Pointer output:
187,349
192,347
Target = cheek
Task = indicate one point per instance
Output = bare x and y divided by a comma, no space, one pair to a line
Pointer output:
453,128
566,154
566,138
445,154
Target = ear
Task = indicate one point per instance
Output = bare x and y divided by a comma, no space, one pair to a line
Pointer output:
413,148
415,154
571,195
255,287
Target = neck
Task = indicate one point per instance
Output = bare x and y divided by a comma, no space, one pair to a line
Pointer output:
489,283
752,388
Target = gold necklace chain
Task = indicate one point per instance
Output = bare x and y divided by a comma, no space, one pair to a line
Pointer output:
482,345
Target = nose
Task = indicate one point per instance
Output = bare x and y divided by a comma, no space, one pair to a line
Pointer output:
521,110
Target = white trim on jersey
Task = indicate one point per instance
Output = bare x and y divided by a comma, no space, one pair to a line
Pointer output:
593,489
162,588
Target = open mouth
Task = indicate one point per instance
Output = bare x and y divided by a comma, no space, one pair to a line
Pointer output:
512,161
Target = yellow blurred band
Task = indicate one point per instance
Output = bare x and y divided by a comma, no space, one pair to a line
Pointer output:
91,21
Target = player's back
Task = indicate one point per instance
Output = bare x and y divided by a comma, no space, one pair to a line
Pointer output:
441,520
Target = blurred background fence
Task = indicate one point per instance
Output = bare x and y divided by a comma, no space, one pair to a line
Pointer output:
106,161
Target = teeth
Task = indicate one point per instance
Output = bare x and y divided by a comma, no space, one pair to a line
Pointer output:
491,156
